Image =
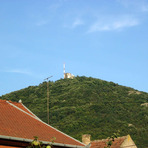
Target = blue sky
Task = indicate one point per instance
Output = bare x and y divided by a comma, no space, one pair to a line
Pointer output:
105,39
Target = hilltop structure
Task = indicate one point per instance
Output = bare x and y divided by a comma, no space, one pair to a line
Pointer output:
68,75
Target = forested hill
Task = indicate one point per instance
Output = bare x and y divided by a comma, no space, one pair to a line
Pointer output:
89,106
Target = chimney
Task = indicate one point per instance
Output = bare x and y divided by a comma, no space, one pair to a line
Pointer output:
86,139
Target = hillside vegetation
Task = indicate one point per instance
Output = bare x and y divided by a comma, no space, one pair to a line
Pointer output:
89,106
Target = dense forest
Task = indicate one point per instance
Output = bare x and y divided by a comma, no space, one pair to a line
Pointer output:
89,106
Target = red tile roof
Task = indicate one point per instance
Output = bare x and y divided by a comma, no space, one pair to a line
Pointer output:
102,143
17,121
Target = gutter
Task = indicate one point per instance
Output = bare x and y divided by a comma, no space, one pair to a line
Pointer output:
44,142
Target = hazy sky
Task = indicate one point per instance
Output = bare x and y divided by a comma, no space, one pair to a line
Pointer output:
105,39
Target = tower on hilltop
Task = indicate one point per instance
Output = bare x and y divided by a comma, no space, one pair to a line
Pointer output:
67,75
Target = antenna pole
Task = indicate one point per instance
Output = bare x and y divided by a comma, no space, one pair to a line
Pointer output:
48,98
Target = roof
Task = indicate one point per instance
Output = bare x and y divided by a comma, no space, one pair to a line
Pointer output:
19,122
102,143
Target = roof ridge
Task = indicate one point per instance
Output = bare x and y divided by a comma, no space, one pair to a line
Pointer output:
21,109
30,111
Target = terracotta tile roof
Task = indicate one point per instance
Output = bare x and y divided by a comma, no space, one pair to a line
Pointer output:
17,121
102,143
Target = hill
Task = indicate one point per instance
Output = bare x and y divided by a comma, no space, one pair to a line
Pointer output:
89,106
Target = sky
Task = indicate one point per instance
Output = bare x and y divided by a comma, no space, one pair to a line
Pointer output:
104,39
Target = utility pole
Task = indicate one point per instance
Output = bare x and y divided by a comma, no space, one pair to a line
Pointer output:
48,98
